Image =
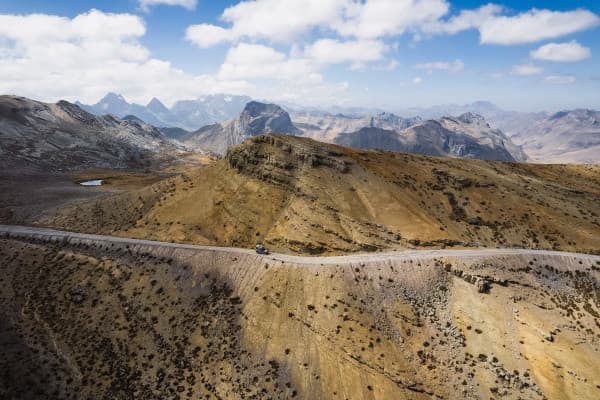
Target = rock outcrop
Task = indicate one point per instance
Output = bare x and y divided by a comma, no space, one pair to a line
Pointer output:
256,118
275,160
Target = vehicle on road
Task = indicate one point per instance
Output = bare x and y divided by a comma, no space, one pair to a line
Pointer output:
260,249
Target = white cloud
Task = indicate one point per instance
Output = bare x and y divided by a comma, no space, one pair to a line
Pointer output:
527,27
378,18
466,19
561,52
454,66
256,61
526,70
207,35
390,66
283,21
535,25
331,51
417,80
49,57
276,20
560,79
189,4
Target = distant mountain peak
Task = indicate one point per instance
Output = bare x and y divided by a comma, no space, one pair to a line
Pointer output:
471,117
578,114
111,96
155,105
255,119
255,108
187,114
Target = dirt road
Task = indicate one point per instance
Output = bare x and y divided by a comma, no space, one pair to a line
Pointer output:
24,231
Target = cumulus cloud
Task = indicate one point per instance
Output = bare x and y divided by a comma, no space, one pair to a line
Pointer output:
535,25
82,58
256,61
275,20
527,27
417,80
454,66
378,18
331,51
207,35
561,52
560,79
49,57
526,69
189,4
283,21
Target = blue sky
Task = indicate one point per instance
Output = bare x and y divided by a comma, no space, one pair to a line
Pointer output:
392,54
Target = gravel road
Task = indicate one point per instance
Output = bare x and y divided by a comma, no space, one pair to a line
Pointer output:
24,231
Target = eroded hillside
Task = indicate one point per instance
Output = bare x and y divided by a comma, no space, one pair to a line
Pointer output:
299,195
93,319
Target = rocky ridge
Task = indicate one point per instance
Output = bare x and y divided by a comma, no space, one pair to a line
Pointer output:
63,136
256,119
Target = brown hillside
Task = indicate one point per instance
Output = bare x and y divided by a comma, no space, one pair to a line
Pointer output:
302,196
84,319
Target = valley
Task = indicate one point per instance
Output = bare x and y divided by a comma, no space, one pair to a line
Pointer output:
393,275
299,200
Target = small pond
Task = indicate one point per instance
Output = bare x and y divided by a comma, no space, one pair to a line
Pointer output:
94,182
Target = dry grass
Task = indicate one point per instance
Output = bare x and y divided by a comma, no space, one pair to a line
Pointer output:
269,190
85,319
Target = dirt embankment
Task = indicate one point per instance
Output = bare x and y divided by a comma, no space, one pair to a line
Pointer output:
86,318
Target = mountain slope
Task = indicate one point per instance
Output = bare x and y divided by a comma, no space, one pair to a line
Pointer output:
94,319
466,136
256,118
299,195
566,136
326,127
63,136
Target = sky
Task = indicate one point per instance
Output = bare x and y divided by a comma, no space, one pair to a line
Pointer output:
527,55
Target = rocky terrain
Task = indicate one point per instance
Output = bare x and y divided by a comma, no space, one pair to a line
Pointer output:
563,137
185,114
255,119
302,196
46,150
569,136
91,318
62,136
327,127
466,136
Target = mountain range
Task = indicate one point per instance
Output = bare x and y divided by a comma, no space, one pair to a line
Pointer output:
255,119
63,136
566,136
463,289
572,137
186,114
466,136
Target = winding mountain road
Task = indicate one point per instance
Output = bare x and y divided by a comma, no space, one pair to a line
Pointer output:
33,232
